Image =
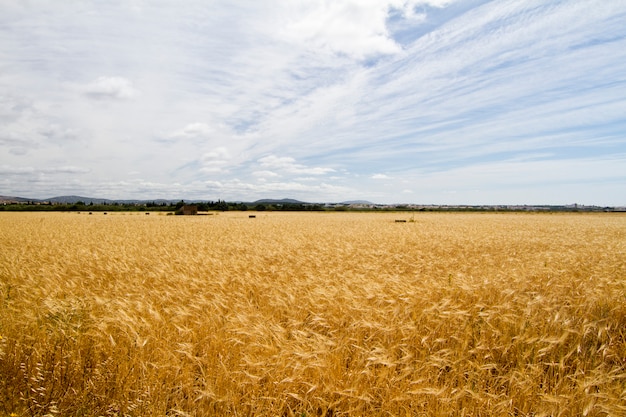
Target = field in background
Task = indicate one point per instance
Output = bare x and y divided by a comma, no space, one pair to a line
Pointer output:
318,314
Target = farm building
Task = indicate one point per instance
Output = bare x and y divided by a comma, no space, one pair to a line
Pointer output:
188,210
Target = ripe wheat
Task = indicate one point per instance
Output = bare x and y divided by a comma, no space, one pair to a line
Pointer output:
319,314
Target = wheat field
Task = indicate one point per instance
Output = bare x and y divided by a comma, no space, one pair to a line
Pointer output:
313,314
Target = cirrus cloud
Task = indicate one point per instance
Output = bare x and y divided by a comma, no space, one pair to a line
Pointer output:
237,99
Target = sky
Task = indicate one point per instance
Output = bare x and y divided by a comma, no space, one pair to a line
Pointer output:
390,101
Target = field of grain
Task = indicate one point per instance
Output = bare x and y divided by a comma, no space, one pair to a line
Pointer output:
318,314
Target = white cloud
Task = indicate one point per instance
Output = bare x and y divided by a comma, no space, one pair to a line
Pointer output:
57,132
111,88
273,161
289,165
380,177
356,28
219,153
27,170
353,28
66,170
215,160
194,130
265,174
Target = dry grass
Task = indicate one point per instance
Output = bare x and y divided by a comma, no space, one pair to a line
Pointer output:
324,314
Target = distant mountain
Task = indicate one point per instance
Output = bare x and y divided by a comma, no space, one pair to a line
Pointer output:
73,199
282,201
8,199
357,202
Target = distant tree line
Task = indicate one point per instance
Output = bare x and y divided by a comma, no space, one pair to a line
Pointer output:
221,205
82,206
218,205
